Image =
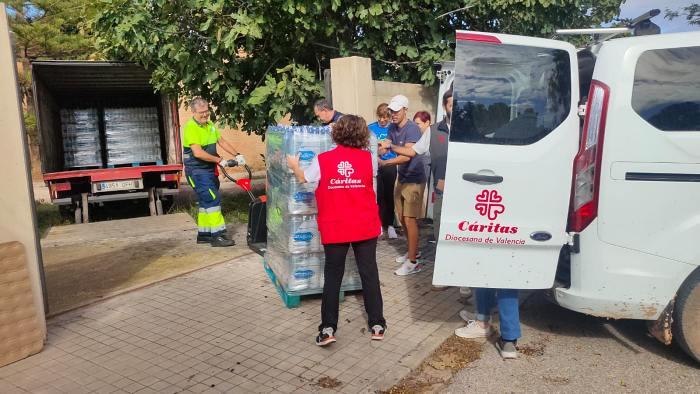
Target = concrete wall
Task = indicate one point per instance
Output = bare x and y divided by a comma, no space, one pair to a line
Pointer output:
17,215
355,92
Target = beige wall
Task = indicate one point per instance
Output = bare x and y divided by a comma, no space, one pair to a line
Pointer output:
17,216
355,92
420,98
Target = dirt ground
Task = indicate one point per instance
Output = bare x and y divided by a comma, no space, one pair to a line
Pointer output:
436,371
115,256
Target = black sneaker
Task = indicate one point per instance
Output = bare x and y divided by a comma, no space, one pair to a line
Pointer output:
325,336
221,241
203,239
377,332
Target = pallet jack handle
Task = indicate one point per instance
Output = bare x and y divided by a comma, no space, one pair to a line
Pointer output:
244,183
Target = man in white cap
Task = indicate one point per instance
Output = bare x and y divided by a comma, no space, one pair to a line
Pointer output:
408,194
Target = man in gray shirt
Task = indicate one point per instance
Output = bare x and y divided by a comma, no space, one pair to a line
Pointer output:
408,194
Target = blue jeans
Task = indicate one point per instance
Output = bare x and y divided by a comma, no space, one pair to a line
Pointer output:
507,310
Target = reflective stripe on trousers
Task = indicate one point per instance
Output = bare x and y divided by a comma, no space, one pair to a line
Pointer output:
210,220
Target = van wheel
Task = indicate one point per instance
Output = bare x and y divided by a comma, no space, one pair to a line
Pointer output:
686,316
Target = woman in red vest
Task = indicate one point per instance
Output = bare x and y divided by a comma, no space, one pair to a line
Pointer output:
347,215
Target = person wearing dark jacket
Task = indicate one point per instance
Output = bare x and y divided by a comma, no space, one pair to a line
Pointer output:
323,109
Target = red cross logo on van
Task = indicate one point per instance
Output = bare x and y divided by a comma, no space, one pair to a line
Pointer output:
488,204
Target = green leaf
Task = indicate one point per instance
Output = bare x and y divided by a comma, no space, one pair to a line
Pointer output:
281,86
285,69
376,9
205,26
259,95
231,94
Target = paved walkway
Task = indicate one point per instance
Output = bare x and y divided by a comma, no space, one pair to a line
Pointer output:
224,329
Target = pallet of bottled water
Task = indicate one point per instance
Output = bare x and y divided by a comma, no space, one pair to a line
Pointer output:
81,138
302,273
294,250
132,135
305,141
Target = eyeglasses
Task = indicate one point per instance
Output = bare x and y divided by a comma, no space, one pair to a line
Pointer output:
396,112
205,112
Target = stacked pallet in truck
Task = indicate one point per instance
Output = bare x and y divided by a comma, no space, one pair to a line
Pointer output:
105,135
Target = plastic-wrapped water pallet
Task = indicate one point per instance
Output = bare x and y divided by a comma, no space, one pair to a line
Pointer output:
132,136
294,257
81,138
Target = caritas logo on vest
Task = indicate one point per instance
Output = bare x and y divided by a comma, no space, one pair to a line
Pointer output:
347,182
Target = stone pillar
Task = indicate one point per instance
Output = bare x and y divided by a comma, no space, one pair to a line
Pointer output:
22,324
352,86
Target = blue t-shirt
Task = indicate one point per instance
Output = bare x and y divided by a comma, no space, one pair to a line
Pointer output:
381,133
414,170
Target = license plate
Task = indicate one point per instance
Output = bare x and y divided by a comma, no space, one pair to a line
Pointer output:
111,186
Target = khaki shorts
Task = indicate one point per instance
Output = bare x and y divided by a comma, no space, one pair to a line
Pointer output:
408,199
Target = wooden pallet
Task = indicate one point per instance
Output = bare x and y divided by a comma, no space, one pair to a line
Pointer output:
140,164
82,168
290,300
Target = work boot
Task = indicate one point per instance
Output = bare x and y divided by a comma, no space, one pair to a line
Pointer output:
221,241
203,239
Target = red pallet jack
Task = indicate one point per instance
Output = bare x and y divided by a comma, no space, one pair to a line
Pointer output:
257,212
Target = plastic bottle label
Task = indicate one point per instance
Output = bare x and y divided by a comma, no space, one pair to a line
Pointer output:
303,237
306,155
303,274
303,197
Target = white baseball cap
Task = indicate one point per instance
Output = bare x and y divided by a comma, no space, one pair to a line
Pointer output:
398,102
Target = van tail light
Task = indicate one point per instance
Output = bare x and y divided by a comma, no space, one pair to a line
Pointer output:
586,179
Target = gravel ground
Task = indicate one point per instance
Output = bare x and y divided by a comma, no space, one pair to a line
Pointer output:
566,351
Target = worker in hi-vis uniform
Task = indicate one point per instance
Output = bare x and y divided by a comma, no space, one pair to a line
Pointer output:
200,139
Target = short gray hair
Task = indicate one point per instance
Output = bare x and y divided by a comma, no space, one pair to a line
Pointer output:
197,102
323,104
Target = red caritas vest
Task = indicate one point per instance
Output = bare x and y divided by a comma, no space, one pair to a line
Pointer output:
347,205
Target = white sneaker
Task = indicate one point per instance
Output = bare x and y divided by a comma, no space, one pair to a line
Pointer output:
465,292
404,257
407,269
467,316
473,329
391,232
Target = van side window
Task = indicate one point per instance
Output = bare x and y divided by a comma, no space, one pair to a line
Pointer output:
666,89
509,94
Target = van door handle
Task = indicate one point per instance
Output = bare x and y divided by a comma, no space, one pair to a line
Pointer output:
482,179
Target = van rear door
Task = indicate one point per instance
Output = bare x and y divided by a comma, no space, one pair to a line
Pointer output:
514,134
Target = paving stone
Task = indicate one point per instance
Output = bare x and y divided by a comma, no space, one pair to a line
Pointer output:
189,332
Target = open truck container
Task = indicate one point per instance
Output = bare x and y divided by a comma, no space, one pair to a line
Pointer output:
101,88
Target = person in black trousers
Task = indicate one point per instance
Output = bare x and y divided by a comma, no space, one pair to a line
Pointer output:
347,216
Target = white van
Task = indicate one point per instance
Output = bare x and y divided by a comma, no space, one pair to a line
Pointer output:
602,206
